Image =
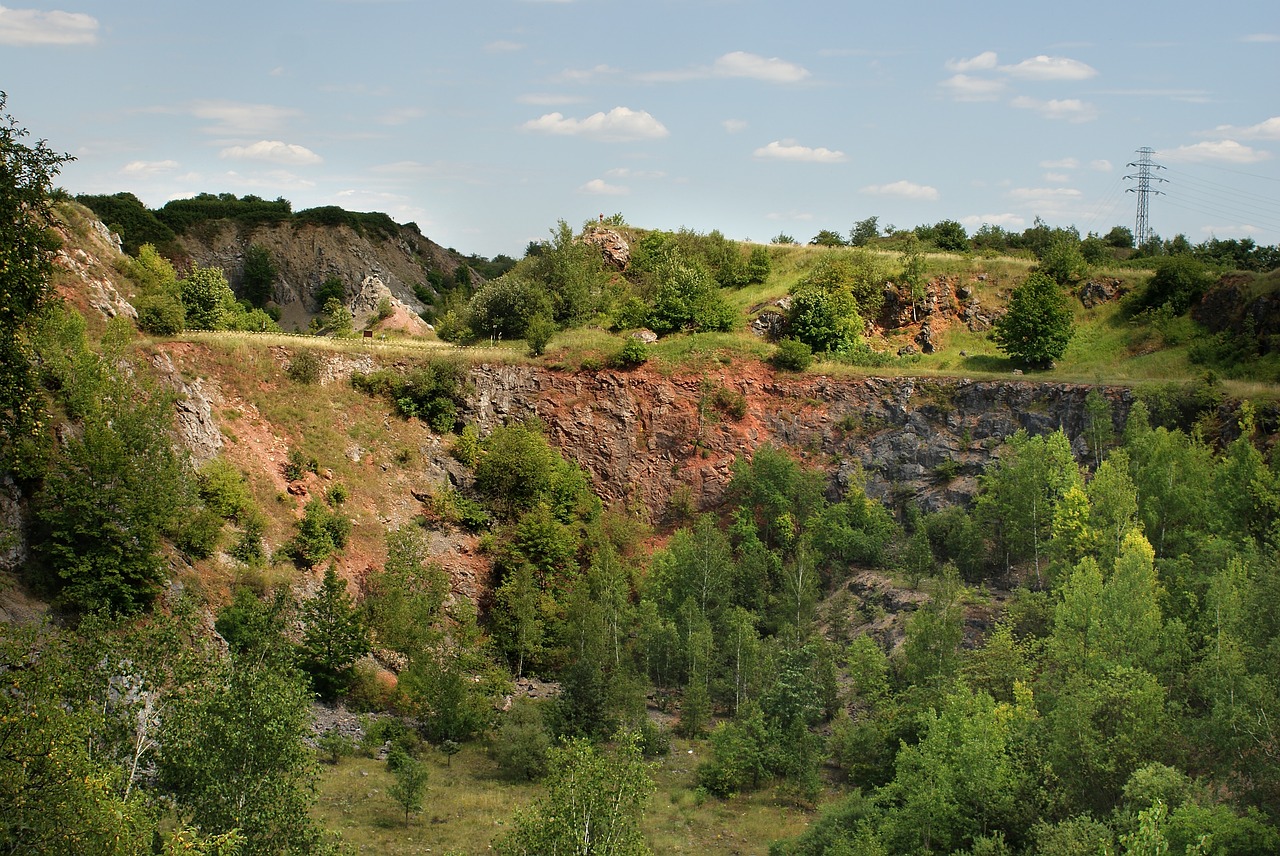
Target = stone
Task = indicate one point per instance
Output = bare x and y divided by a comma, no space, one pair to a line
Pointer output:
612,246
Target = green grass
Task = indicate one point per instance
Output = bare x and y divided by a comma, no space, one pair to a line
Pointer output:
471,802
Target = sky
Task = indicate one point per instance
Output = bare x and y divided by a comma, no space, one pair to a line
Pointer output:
487,121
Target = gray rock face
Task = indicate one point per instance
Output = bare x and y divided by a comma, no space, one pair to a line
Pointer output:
197,428
642,436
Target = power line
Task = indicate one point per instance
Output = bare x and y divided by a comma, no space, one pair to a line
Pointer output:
1142,231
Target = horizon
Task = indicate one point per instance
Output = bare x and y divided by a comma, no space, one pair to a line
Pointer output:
722,114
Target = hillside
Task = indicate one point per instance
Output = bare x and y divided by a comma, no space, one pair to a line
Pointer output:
827,589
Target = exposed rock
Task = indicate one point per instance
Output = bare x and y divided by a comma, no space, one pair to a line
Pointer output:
13,540
647,336
1229,306
613,247
640,435
925,338
197,427
770,324
99,290
1096,292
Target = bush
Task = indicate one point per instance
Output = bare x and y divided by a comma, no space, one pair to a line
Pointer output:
634,352
161,314
304,367
539,333
522,742
1179,281
792,355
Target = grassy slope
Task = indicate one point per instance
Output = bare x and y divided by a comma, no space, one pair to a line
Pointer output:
470,802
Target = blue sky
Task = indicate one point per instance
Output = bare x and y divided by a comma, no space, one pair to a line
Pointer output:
486,121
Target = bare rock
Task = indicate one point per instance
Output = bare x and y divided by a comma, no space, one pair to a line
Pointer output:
770,324
197,427
613,247
1096,292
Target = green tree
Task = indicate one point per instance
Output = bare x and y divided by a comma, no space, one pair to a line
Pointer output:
1038,326
828,238
334,635
1179,281
864,231
111,492
1063,260
26,252
523,740
233,756
207,298
260,273
592,805
410,786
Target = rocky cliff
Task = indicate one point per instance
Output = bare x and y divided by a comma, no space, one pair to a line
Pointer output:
642,435
369,264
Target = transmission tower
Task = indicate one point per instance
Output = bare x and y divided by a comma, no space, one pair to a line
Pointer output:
1142,231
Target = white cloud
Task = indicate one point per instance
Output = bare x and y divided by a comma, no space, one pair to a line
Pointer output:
619,124
549,99
982,62
1050,68
1261,38
1060,163
1268,129
1225,151
1071,109
964,87
772,69
143,169
503,46
791,151
735,64
401,115
1044,195
599,187
1004,221
586,75
273,181
26,27
734,126
627,172
1057,177
903,189
273,151
237,119
1100,165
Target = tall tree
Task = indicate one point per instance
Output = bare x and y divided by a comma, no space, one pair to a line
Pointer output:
1038,326
592,806
334,635
26,252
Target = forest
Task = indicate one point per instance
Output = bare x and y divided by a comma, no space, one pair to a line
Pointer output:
1089,662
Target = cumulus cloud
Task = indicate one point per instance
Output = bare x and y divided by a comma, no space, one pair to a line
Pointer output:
1050,68
1268,129
143,169
965,87
24,27
789,150
736,64
1004,221
1071,109
756,67
619,124
982,62
273,151
599,187
902,189
1222,151
233,118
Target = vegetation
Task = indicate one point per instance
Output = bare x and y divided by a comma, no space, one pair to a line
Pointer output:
1088,663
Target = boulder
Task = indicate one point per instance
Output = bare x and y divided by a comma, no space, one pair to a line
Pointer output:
612,246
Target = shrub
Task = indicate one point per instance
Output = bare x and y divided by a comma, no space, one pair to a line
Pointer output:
792,355
538,334
634,352
223,490
161,314
304,367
